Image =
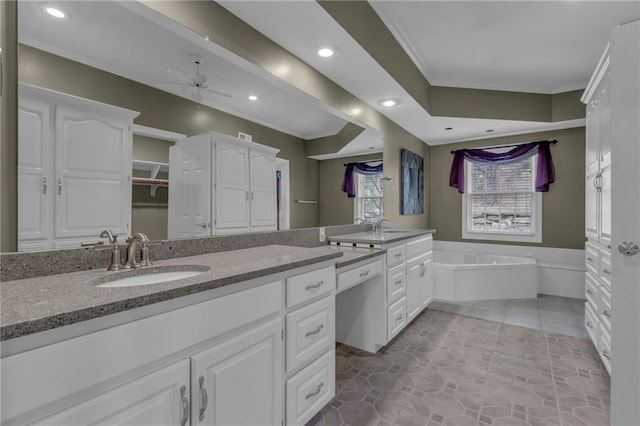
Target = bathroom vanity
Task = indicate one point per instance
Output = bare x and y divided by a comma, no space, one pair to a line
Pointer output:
191,351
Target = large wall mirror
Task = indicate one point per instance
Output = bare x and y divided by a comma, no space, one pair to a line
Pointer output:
171,84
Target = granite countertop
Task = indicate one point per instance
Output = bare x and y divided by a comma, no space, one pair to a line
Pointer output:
37,304
388,236
351,255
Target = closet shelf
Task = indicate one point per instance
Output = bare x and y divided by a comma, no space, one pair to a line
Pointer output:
153,167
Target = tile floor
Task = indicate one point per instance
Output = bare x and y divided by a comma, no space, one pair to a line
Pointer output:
560,315
450,369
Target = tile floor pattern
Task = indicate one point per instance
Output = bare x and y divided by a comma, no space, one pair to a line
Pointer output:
449,369
560,315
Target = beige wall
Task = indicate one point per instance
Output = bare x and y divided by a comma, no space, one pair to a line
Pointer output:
562,206
9,127
168,112
334,206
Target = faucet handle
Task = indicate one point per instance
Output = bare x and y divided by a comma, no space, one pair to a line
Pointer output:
113,239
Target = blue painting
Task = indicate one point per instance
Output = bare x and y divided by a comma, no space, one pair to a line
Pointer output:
412,201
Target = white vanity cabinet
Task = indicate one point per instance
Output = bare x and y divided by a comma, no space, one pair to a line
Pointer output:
225,185
74,174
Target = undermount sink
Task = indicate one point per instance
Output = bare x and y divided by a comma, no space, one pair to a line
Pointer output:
395,231
147,276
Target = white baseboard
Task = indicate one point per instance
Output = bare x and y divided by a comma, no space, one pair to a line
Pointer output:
560,271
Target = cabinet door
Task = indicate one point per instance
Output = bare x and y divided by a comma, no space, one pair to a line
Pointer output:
190,189
93,174
159,398
604,120
592,205
592,148
240,381
605,206
34,180
414,276
263,190
232,186
426,280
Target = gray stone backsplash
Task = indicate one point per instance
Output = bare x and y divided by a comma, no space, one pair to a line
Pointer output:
15,266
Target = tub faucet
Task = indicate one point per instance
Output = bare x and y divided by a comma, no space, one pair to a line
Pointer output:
377,227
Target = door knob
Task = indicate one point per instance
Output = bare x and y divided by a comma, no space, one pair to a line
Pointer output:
628,248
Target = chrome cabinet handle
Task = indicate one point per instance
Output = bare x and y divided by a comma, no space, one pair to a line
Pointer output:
606,313
606,271
312,286
44,186
399,318
423,270
589,292
397,255
606,354
315,392
589,324
203,225
398,282
185,406
589,259
59,186
204,398
316,331
364,274
252,194
246,195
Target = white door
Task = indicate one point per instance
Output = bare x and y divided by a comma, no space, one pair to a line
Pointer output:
157,399
34,175
625,219
426,280
263,190
190,190
232,188
93,174
414,277
240,381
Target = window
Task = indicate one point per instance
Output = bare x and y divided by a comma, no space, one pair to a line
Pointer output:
368,201
500,202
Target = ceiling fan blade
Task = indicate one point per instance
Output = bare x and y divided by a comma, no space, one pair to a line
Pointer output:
173,82
186,74
226,95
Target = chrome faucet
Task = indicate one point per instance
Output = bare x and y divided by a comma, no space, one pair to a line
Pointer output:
113,245
132,245
377,227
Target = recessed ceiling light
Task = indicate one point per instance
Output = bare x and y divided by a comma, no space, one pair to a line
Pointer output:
490,130
253,98
326,51
56,13
389,103
448,128
356,111
372,147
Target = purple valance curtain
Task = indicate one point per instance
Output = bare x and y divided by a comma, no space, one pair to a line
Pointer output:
545,172
349,182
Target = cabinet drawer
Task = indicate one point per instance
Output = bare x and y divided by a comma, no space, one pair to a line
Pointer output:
396,283
419,247
604,347
592,259
359,274
604,307
310,331
605,269
591,290
396,255
304,287
310,389
396,317
592,324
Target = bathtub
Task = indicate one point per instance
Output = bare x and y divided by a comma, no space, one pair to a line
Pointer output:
459,276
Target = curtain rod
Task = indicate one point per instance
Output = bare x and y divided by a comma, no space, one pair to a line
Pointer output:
367,161
553,142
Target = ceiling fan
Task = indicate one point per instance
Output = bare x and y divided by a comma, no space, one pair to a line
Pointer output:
197,83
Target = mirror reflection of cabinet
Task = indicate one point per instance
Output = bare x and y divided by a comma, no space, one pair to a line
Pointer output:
74,173
222,185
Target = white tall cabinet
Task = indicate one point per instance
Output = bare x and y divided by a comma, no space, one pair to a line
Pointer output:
74,169
221,185
598,310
